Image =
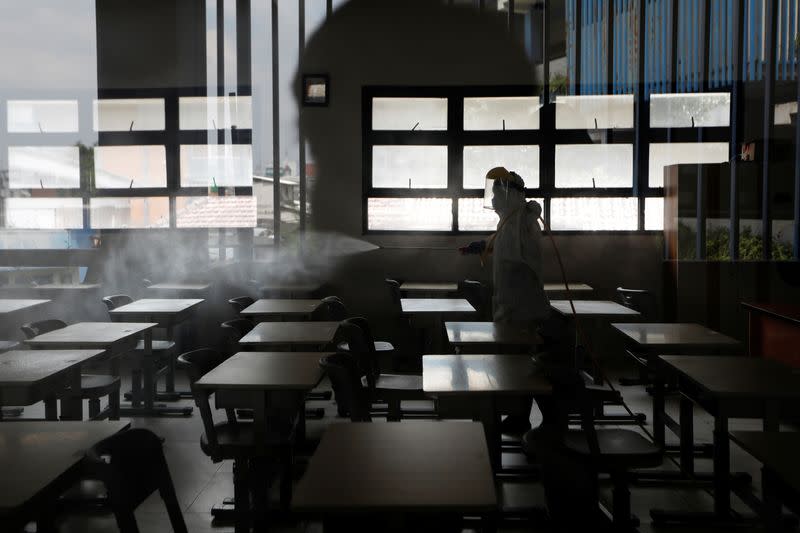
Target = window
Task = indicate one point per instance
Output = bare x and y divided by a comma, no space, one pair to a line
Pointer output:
43,167
42,116
690,110
131,114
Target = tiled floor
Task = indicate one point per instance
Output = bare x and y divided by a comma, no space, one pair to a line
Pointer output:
200,483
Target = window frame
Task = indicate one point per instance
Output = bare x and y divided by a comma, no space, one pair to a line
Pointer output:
547,137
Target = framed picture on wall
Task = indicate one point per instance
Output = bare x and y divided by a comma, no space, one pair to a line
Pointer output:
316,90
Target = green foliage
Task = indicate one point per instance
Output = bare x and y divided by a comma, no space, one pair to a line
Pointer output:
718,245
559,84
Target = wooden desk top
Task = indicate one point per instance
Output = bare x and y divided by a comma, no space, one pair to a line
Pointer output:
560,287
91,334
32,367
787,312
54,287
156,306
737,376
461,333
422,286
34,455
593,308
271,333
266,371
776,450
297,287
435,305
174,286
408,466
281,307
481,374
661,335
11,305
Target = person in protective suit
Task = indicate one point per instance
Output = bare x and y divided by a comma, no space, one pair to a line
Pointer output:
515,248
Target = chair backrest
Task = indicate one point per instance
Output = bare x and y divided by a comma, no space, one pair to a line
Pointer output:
198,363
351,396
132,466
240,303
640,300
32,329
146,283
477,294
331,308
237,328
394,291
116,300
355,331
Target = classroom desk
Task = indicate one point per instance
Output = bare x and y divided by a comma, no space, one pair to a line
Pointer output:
31,376
263,382
276,309
726,387
12,305
116,338
392,470
780,474
40,460
593,309
492,336
168,313
485,380
181,289
290,290
291,334
431,313
428,289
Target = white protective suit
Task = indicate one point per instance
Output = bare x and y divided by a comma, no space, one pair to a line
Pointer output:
517,260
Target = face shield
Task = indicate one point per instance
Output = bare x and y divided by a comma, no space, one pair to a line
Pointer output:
501,189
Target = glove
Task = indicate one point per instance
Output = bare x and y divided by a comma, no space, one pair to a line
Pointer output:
473,248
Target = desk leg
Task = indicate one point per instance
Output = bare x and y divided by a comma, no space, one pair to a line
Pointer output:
169,380
687,436
771,416
722,464
658,411
490,419
148,371
772,507
71,404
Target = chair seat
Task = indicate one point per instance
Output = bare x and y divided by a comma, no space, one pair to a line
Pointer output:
8,345
380,346
237,439
158,346
619,449
96,385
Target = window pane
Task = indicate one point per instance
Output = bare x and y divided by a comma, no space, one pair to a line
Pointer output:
663,154
594,112
42,116
594,165
215,212
410,214
784,112
44,213
405,114
524,160
409,167
215,112
472,216
212,165
502,113
47,167
588,214
654,214
134,114
112,213
678,110
122,167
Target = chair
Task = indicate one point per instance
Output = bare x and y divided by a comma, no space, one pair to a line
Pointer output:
644,302
477,294
93,386
234,439
163,350
389,388
352,398
240,303
132,466
236,328
394,292
572,459
331,309
7,346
